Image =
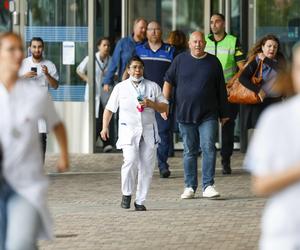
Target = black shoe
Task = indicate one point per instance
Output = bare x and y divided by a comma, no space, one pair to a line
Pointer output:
226,169
126,199
139,207
165,173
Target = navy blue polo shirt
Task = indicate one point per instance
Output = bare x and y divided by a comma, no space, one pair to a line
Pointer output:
156,62
200,88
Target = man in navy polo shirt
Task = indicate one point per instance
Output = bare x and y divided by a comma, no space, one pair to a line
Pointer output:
201,100
157,57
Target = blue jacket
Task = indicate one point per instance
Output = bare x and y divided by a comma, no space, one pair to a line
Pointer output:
124,50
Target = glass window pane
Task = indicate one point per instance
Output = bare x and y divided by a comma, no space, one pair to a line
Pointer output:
5,16
281,18
186,15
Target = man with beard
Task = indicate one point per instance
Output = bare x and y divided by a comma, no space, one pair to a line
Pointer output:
228,50
124,50
44,73
157,57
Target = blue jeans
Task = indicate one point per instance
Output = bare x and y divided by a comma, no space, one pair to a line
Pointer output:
206,133
19,221
164,131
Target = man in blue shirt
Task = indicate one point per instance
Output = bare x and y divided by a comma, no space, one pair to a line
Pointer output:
157,57
124,50
200,100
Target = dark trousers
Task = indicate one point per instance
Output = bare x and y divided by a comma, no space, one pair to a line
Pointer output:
164,131
43,139
228,133
99,122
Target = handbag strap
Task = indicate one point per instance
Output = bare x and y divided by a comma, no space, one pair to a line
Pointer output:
259,68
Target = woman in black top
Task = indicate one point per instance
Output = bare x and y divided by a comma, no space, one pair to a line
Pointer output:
267,50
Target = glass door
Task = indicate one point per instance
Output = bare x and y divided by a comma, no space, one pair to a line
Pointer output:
79,23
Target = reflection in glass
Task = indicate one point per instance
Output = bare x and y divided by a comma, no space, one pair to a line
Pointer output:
280,17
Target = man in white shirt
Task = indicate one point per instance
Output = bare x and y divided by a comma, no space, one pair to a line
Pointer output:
44,73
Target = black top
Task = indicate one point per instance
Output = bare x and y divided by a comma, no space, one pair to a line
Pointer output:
200,88
249,71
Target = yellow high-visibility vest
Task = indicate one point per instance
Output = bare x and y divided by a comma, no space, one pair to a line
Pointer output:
225,51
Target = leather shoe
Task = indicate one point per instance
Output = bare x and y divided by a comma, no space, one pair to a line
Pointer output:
126,199
165,173
139,207
226,169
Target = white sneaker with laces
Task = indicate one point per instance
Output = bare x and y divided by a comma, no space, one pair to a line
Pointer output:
188,193
210,192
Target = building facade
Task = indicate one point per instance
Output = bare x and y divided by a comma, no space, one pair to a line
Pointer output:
71,27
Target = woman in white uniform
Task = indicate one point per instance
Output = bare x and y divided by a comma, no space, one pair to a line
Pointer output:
137,99
23,210
273,158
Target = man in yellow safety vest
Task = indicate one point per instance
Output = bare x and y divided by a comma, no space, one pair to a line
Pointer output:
227,49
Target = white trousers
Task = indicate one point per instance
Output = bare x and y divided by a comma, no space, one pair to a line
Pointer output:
139,163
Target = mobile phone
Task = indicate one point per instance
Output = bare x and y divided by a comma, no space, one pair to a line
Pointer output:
34,69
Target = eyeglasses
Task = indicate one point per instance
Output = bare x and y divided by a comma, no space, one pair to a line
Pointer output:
134,67
154,29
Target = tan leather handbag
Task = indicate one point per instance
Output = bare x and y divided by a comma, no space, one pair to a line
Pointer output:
238,93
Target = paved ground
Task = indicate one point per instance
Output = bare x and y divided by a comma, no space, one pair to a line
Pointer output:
85,204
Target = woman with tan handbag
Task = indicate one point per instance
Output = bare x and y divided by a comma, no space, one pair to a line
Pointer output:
267,51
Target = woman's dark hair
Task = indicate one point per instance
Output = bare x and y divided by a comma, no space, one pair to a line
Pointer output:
135,59
100,40
177,38
257,48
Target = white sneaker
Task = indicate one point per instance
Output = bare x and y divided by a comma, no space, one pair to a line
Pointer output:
210,192
188,193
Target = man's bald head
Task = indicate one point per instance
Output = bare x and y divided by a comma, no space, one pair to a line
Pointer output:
197,43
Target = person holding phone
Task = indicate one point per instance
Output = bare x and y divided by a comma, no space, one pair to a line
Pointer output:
137,100
44,73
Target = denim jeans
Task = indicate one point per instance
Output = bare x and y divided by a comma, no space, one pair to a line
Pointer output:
206,133
19,221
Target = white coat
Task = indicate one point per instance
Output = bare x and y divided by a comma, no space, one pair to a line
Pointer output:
20,110
40,79
132,123
275,147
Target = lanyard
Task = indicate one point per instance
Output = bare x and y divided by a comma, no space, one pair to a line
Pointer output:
138,90
99,65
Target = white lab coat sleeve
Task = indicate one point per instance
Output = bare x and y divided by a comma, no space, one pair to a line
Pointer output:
49,113
113,101
82,67
159,97
261,150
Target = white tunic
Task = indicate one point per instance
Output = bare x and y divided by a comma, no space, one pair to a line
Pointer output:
100,70
275,147
40,79
132,123
20,110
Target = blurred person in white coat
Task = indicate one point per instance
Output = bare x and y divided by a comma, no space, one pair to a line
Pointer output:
23,193
273,158
137,99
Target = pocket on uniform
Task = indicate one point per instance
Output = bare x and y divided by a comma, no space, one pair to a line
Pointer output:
125,135
150,135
